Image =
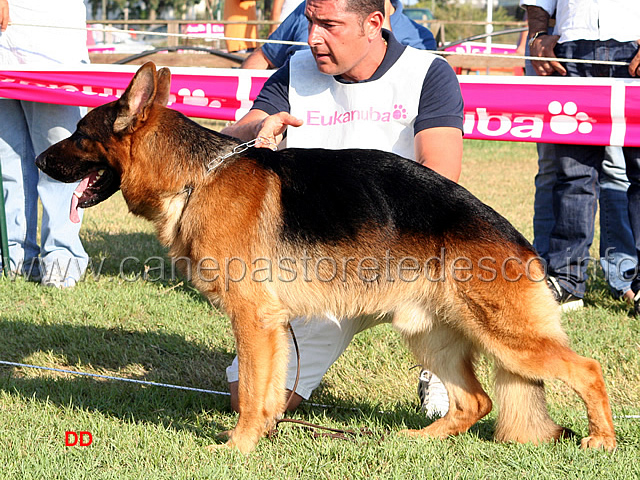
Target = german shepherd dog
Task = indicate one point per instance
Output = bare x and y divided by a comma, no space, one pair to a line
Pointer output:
387,236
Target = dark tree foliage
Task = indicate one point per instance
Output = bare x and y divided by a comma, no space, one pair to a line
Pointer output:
139,9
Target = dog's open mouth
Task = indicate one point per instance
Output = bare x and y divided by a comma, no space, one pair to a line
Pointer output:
93,188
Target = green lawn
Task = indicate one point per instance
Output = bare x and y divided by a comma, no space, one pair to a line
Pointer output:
115,323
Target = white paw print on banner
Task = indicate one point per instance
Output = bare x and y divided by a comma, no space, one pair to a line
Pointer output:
566,119
198,98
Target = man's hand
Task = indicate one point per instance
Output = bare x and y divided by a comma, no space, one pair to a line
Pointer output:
4,15
267,129
272,127
538,23
634,66
543,47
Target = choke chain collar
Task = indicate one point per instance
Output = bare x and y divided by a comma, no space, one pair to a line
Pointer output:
213,164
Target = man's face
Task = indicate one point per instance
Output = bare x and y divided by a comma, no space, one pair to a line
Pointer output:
339,40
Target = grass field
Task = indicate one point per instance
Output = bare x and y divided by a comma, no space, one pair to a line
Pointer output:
116,323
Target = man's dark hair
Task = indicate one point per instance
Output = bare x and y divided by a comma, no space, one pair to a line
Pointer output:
364,7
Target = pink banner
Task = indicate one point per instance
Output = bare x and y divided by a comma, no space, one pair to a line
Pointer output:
477,47
552,110
222,94
207,30
631,113
555,110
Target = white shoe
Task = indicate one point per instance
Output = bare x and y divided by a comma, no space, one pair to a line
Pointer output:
57,281
434,400
567,300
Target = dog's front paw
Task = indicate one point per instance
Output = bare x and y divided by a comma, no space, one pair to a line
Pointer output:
237,440
216,447
417,433
234,441
244,445
606,442
223,438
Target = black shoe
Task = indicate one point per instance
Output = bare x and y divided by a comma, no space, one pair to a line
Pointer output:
636,304
567,300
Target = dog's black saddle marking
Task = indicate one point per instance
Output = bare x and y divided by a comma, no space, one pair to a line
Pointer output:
332,195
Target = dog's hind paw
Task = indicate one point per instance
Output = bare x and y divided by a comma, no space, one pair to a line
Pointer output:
606,442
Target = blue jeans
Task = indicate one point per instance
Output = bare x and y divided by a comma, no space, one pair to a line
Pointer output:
579,170
617,249
26,130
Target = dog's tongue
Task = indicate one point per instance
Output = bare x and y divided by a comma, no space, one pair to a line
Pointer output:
74,216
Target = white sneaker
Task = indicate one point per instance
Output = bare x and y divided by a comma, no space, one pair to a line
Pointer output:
434,400
567,300
57,281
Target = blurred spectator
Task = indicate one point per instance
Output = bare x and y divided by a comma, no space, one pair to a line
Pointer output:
596,31
241,11
27,129
281,10
617,249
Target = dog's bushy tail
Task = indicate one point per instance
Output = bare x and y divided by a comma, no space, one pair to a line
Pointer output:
522,410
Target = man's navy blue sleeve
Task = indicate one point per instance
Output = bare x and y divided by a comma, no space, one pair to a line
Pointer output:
441,103
294,28
274,96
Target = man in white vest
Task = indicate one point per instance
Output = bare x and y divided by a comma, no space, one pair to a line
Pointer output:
357,87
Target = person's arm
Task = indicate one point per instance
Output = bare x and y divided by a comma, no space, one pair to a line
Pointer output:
276,10
268,129
247,127
269,117
408,32
543,44
522,43
4,15
439,124
634,66
257,60
294,28
440,149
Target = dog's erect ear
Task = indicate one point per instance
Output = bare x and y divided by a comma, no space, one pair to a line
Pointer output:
163,87
134,104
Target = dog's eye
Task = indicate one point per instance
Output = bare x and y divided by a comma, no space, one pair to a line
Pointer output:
79,139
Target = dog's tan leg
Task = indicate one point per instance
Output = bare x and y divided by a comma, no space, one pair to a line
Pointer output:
450,357
584,376
275,398
261,356
538,350
588,382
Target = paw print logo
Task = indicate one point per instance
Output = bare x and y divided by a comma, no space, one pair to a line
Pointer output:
566,119
399,112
